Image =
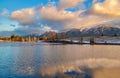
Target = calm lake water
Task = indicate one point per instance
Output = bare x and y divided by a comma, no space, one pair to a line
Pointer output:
43,60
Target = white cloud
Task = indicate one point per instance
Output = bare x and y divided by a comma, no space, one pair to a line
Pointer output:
46,29
24,16
4,12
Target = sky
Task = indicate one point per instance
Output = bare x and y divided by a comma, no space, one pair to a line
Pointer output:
24,17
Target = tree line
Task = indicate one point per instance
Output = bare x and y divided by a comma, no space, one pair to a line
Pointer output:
18,38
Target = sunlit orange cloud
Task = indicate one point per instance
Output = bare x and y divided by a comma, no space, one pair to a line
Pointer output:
109,7
86,21
52,13
98,14
24,16
69,3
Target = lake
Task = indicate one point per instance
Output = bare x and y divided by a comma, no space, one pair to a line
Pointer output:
45,60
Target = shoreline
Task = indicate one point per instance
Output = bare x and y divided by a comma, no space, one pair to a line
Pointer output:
69,42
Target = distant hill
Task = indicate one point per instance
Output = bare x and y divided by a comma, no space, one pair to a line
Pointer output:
99,30
49,35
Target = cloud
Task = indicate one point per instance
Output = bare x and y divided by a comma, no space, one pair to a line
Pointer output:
25,16
25,30
69,3
96,1
33,30
4,12
81,65
47,29
81,19
96,15
60,17
108,7
52,13
12,25
85,21
48,14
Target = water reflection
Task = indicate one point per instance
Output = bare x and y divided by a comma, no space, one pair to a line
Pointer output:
65,61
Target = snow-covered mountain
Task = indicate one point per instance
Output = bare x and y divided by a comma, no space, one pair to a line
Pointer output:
99,30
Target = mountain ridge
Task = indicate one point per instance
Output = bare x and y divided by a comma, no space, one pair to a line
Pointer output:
99,30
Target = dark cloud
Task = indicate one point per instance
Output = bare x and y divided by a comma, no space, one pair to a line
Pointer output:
12,25
27,31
